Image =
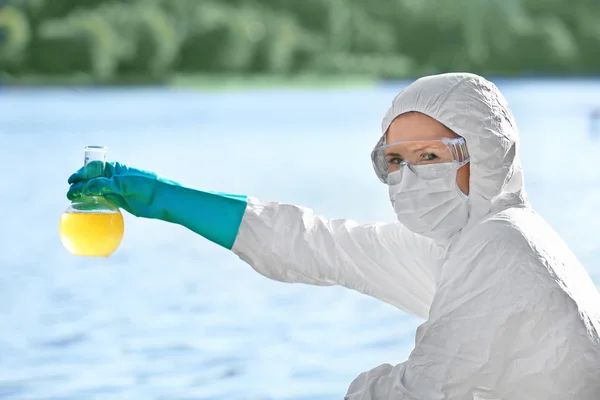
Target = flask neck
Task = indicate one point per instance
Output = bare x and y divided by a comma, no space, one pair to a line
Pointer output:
94,161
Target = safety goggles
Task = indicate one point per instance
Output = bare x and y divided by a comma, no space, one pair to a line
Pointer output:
388,158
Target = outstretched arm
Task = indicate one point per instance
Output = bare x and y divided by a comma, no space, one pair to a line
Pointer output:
283,242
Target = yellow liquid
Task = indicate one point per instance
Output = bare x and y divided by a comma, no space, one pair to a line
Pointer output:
91,234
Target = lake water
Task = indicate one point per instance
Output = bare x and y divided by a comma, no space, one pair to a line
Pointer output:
172,316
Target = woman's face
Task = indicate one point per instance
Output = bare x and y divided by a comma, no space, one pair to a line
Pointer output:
417,126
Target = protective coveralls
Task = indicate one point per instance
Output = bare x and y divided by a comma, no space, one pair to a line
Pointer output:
509,311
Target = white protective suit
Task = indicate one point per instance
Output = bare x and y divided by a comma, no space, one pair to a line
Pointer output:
509,311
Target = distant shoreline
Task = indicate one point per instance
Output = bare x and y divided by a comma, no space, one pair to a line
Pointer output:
210,82
197,82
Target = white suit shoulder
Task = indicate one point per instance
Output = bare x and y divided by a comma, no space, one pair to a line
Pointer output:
514,241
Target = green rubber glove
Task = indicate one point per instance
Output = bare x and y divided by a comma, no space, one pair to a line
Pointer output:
215,216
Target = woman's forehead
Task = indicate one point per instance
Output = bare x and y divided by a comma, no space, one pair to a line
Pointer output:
416,126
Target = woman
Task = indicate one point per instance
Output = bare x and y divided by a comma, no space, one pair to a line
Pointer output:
509,311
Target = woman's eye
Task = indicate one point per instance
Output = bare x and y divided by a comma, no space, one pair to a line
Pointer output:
394,160
429,157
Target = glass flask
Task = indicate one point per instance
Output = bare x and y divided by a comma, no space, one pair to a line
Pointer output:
92,226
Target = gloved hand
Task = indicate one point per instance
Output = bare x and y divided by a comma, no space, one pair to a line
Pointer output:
215,216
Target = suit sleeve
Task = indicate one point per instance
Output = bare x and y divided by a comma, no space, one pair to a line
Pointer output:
289,243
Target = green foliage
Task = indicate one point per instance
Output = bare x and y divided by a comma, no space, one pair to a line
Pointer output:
84,42
15,34
373,65
109,40
220,37
146,39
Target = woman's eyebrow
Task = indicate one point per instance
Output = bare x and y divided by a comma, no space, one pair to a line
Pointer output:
424,147
414,149
393,154
421,148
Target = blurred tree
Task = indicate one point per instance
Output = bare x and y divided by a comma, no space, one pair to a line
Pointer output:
372,65
148,43
44,10
220,38
312,15
588,33
81,43
286,46
116,39
15,35
540,45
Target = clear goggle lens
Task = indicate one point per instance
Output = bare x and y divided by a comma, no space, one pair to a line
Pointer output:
388,158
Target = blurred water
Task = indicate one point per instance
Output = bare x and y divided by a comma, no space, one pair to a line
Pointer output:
171,316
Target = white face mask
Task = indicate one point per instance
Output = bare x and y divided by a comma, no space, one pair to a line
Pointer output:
427,200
